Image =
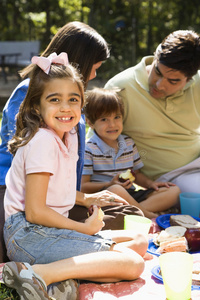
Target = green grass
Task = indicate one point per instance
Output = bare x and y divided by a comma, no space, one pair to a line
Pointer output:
86,127
8,293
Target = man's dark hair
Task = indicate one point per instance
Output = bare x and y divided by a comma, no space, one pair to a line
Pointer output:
180,50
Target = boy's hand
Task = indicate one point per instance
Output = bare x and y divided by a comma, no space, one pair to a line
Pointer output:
95,222
127,184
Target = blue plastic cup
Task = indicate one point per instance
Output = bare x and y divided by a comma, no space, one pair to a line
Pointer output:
190,204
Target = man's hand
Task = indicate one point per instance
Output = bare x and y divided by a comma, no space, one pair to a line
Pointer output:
155,185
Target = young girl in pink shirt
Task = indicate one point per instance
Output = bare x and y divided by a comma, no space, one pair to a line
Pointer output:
41,189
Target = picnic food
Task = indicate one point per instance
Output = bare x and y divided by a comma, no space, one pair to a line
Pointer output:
100,212
129,174
171,239
196,277
185,221
169,234
179,238
177,244
192,236
196,273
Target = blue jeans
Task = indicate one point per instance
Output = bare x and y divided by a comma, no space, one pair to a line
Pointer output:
27,242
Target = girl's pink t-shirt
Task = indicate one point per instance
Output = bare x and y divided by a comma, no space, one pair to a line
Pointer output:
44,153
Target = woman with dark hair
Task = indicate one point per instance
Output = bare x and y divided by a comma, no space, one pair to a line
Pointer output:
85,47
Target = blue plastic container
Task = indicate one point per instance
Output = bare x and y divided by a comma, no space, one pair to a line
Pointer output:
190,204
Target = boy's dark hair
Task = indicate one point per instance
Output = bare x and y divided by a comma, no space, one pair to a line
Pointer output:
102,102
180,50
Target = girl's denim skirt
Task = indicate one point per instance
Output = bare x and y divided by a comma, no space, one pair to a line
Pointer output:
27,242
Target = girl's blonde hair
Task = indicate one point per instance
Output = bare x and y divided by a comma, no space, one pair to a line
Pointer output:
29,119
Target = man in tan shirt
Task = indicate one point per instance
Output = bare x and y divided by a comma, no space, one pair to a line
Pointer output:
161,96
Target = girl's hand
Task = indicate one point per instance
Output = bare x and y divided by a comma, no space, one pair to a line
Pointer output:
155,185
94,223
104,198
127,184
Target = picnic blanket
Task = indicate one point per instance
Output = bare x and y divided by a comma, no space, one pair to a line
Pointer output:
145,287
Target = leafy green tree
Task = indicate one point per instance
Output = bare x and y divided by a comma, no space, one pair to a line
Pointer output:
133,28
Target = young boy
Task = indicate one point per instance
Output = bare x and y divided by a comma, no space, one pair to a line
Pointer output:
109,153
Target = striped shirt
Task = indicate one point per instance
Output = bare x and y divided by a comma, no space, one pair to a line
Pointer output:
101,161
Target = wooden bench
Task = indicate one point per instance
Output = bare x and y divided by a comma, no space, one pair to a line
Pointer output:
17,54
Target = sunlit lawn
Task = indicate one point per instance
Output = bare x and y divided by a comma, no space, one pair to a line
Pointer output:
8,293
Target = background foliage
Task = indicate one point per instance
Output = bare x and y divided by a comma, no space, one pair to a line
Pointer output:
133,28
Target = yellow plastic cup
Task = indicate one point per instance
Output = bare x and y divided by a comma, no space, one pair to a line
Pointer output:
176,270
137,223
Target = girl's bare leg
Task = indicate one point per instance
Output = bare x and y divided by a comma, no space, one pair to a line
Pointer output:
123,262
108,266
122,192
162,199
129,239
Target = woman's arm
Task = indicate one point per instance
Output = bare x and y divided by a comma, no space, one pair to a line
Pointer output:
100,199
38,212
94,197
